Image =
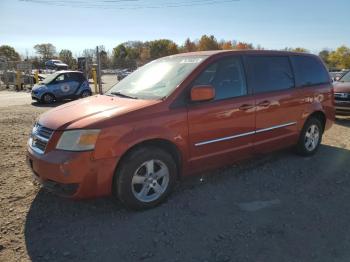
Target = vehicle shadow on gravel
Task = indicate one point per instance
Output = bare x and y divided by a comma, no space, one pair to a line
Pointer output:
277,208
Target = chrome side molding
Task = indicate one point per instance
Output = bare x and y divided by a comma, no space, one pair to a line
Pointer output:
244,134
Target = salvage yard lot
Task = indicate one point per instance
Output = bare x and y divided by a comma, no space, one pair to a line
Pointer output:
279,207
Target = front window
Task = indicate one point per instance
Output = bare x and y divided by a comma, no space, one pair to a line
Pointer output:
157,79
345,78
49,79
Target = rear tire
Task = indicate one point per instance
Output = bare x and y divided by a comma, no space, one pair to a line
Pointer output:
310,137
48,98
145,178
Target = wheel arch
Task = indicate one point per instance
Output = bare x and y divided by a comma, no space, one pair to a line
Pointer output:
48,93
156,142
320,115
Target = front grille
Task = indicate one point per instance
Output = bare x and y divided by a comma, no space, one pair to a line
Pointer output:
39,138
342,96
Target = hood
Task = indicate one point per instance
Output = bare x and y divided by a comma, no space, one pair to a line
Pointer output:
341,87
38,86
90,110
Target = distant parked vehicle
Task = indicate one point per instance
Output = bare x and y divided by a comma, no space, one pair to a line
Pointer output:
56,65
61,85
336,75
122,74
342,95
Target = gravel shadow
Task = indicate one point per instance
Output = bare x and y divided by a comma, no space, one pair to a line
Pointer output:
278,208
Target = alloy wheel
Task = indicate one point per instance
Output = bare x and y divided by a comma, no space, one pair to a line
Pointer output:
312,137
150,180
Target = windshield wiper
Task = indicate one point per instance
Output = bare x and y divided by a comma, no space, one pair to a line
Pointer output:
123,95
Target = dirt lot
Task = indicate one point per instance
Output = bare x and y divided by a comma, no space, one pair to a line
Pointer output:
277,208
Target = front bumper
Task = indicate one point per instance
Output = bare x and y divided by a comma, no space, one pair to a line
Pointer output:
342,107
36,95
72,174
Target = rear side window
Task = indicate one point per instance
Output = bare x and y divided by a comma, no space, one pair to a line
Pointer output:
77,77
309,71
226,76
269,73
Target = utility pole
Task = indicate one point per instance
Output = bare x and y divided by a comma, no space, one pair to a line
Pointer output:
98,60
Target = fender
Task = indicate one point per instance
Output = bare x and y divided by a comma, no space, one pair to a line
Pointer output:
78,91
315,100
128,137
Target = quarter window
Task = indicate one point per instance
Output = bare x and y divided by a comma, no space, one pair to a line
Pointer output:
309,71
226,76
269,73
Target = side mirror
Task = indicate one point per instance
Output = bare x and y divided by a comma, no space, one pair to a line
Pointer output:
202,93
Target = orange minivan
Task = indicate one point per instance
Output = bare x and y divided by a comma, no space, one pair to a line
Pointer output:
181,115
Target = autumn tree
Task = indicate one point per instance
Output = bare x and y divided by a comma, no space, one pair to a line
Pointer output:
9,53
189,46
47,50
242,45
162,47
324,55
67,57
225,45
340,58
145,55
119,56
208,43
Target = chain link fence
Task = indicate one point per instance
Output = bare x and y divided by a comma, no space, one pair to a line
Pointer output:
16,76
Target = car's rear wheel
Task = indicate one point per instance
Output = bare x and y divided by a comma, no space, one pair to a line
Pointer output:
48,98
85,93
310,137
145,178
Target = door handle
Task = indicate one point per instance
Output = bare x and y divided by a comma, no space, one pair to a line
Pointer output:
264,103
245,107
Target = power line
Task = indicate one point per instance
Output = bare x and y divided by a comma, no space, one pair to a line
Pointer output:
126,4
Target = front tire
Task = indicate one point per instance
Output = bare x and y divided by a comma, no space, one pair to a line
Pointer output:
145,178
310,137
47,98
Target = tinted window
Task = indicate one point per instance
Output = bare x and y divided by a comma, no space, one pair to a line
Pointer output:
309,71
269,73
226,76
76,77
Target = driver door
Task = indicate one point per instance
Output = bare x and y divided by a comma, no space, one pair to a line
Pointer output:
221,131
65,85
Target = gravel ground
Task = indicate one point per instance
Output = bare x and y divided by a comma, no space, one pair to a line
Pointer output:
280,207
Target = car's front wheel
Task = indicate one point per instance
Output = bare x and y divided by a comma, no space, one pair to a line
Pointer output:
145,177
48,98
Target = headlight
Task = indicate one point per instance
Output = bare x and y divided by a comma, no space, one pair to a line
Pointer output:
78,140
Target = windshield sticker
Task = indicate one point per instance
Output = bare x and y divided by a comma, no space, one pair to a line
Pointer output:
191,60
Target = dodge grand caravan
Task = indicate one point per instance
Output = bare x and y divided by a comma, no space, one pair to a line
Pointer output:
181,115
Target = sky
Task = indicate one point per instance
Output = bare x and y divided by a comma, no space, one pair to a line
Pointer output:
83,24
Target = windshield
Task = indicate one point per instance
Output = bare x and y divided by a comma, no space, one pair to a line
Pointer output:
49,78
157,79
345,78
